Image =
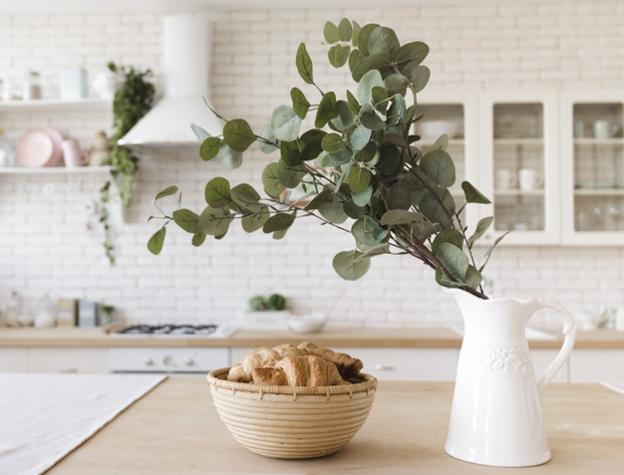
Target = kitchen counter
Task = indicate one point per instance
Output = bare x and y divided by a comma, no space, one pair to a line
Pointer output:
381,337
175,429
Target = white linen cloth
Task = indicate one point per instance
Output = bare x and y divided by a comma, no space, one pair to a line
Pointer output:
43,417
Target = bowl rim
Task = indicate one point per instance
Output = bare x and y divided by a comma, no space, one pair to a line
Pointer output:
215,379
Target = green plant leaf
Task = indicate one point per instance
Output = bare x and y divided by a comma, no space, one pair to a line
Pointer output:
326,110
246,197
214,221
441,143
229,157
390,161
355,59
355,33
170,190
473,278
332,143
397,113
333,212
367,232
310,144
434,207
446,281
370,119
217,192
482,227
270,181
365,87
304,64
452,236
237,134
363,37
200,132
438,165
338,55
186,219
473,195
363,197
345,119
285,123
155,243
278,222
420,77
360,137
345,30
351,265
397,217
198,239
352,210
325,196
300,102
414,52
488,254
369,63
209,148
289,175
255,221
383,40
359,178
396,83
330,32
290,152
267,133
367,153
453,259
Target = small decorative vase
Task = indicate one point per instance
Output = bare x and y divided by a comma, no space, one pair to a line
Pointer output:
496,417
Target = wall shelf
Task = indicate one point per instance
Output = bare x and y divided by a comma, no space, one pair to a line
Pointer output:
53,170
519,141
603,142
599,191
55,105
502,193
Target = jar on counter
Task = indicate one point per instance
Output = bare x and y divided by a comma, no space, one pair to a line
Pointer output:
32,86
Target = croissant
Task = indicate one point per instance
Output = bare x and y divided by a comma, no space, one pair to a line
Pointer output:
348,366
262,357
308,371
274,376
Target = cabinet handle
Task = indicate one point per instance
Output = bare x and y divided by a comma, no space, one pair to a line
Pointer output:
383,367
68,370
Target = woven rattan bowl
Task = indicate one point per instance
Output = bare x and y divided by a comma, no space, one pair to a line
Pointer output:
292,422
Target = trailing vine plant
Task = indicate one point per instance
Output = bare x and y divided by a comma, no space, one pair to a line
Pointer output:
133,99
360,161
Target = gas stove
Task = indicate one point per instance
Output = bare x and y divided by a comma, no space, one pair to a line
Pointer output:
179,330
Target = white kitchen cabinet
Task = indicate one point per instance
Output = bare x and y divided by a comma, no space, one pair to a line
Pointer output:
595,366
68,360
13,360
519,165
592,138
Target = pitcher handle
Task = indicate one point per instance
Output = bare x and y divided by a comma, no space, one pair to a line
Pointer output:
569,333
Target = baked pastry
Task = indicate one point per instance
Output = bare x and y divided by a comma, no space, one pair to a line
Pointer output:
348,367
272,376
299,371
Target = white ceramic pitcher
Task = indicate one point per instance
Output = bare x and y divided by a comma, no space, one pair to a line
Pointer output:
496,418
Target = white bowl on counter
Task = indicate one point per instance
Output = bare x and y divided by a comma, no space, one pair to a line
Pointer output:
307,324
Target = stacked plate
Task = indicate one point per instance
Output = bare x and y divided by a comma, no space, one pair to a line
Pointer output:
40,148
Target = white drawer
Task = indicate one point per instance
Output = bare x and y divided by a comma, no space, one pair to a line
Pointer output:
68,360
595,366
167,359
13,360
419,364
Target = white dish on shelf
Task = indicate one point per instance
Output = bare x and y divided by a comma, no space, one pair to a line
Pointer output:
307,324
433,129
39,148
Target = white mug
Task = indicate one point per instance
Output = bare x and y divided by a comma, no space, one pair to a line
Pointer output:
72,154
603,129
505,179
529,179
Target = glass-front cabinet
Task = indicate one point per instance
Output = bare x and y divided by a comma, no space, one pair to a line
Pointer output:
519,165
453,114
592,137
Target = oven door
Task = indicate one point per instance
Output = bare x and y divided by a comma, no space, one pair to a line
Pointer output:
167,360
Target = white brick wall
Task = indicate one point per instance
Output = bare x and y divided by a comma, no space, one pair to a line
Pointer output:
43,242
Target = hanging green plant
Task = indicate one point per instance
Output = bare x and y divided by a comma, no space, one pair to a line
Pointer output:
133,99
365,165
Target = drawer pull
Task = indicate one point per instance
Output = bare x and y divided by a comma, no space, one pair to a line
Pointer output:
68,370
383,367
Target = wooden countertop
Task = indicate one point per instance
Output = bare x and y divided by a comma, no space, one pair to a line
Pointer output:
175,429
380,337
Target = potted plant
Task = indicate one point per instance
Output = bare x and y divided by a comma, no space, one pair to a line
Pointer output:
361,161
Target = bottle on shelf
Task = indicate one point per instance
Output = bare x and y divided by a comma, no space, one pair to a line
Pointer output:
7,155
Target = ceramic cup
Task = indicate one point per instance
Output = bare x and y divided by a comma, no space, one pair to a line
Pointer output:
505,179
529,179
603,129
72,154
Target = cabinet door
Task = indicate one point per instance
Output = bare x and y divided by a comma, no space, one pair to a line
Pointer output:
13,360
520,166
454,115
592,137
596,366
68,360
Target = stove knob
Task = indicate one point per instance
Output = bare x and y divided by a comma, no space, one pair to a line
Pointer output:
190,362
168,360
149,362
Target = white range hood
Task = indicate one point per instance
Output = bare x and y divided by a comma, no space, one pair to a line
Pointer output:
186,65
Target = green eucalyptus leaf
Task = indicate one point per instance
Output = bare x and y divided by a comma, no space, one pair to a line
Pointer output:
371,120
285,123
278,222
300,102
363,197
200,132
363,37
380,98
326,110
482,227
352,102
330,32
419,77
355,59
446,281
488,254
333,212
396,83
365,87
337,159
439,167
345,119
473,278
351,265
186,219
332,143
229,157
345,30
473,195
367,231
289,175
325,196
267,133
437,206
441,143
214,221
304,64
198,239
453,259
255,221
290,152
397,113
359,137
156,242
310,144
414,52
397,217
270,181
369,63
352,210
452,236
237,134
209,148
170,190
383,40
355,33
217,192
366,153
246,197
359,178
338,55
390,161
